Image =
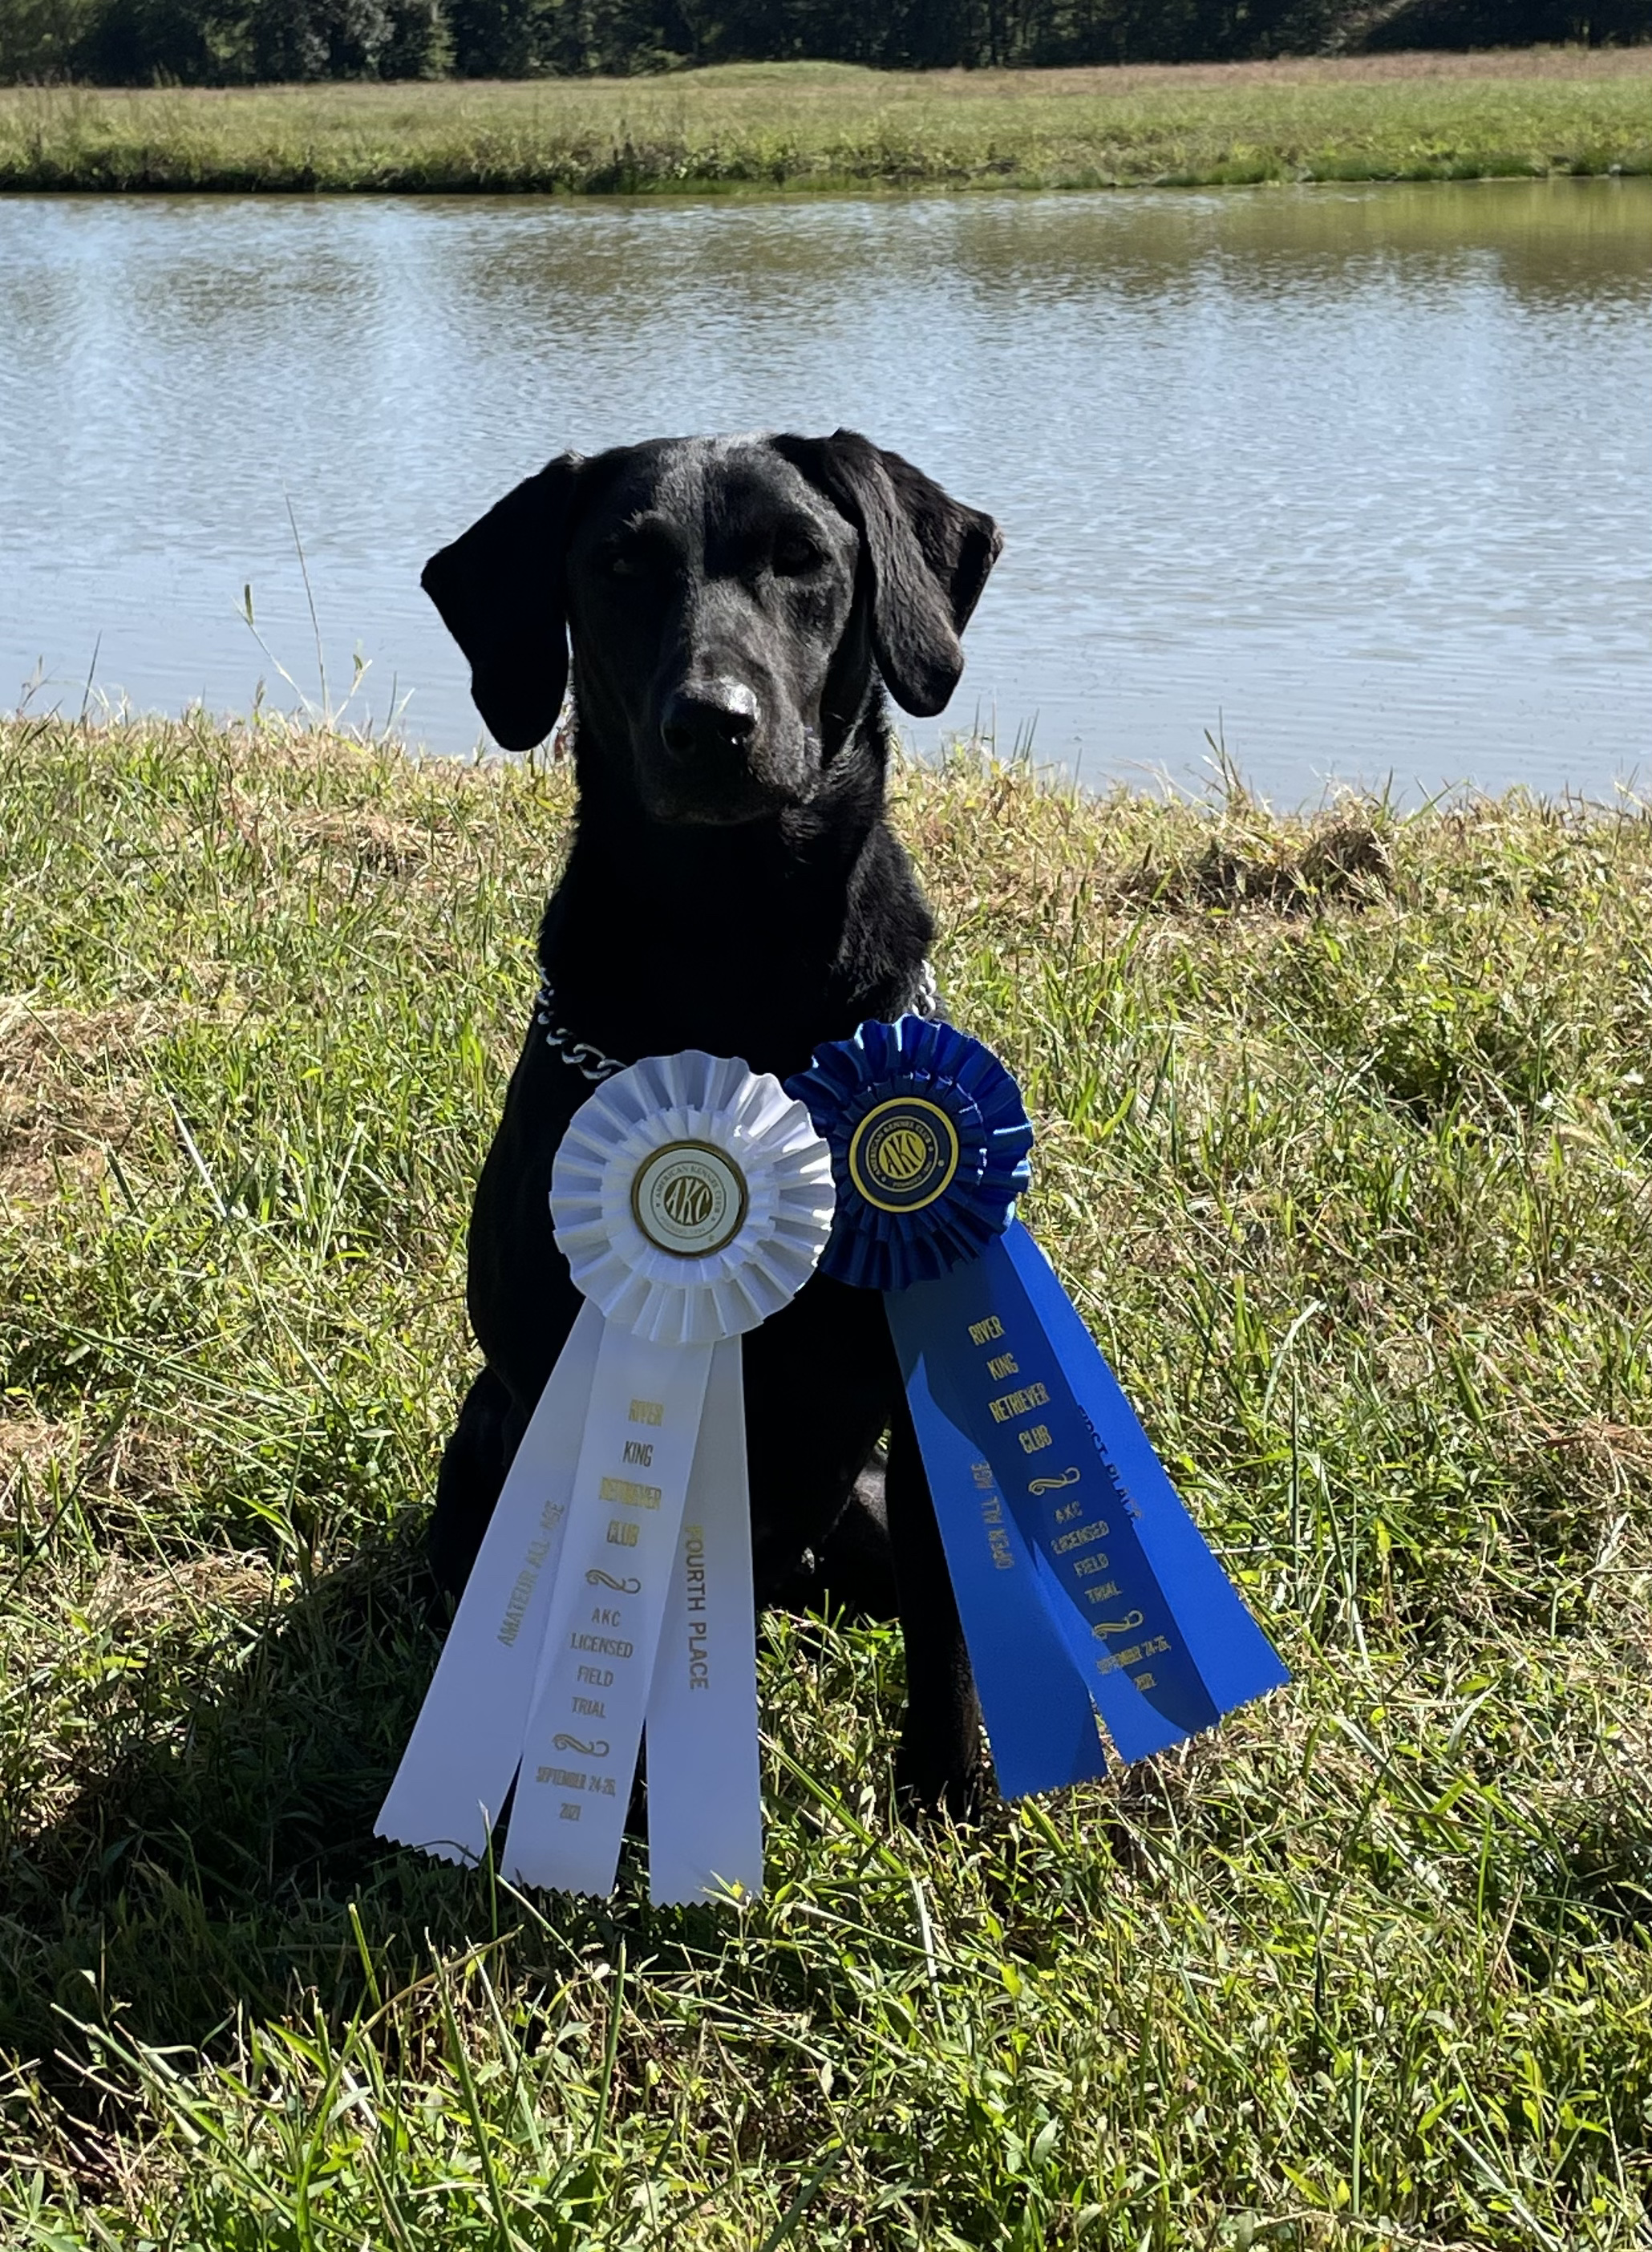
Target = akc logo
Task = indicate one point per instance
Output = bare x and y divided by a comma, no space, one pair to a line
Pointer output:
689,1199
904,1154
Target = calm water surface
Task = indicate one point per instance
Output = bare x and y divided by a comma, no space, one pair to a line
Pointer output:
1360,479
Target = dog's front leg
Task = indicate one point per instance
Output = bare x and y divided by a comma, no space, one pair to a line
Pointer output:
940,1766
474,1464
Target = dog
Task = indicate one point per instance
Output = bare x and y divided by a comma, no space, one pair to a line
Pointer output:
736,609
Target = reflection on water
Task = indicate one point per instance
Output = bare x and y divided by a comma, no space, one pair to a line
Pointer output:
1361,477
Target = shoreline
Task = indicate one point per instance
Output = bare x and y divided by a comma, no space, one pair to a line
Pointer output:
811,128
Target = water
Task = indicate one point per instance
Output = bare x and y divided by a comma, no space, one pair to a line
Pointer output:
1359,479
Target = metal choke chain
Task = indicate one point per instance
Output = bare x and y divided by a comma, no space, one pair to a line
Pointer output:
592,1064
589,1062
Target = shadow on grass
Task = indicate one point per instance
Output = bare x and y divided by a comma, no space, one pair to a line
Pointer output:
221,1858
224,1859
206,1865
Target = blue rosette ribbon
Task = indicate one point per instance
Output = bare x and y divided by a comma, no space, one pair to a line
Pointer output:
1083,1584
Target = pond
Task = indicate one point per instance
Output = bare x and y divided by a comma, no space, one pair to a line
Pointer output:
1357,481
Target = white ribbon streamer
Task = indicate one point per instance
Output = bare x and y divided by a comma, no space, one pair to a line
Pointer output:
706,1821
692,1199
603,1627
451,1786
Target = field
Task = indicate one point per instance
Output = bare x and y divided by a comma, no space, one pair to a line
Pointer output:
1344,1128
806,126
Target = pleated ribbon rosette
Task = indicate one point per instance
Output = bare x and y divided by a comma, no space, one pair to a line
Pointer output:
692,1198
1083,1586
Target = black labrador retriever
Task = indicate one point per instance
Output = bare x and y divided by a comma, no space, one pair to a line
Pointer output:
735,608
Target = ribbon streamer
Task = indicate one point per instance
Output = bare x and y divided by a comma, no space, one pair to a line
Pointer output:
692,1199
1083,1584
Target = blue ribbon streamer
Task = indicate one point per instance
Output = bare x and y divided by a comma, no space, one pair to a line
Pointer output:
1081,1580
1235,1659
1034,1699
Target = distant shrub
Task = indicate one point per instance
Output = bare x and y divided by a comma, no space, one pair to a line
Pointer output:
229,42
1466,24
45,38
535,38
222,42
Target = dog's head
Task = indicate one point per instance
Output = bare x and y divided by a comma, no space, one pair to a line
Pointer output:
725,600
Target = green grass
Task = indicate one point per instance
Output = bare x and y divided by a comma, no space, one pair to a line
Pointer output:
804,126
1345,1133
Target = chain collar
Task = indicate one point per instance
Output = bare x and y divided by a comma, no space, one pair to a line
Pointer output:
592,1064
589,1062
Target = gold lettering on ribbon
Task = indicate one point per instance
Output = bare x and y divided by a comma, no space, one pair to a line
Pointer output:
628,1491
1081,1537
1019,1403
647,1411
984,1332
517,1605
1003,1555
1054,1484
521,1589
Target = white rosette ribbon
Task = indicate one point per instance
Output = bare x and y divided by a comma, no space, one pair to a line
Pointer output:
692,1199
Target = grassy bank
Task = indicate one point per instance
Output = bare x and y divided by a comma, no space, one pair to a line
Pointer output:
801,126
1345,1133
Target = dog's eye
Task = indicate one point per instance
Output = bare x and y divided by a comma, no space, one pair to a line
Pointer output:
795,557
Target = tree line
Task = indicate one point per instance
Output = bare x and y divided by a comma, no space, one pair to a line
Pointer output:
243,42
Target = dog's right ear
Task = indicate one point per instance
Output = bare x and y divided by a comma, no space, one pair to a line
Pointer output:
499,588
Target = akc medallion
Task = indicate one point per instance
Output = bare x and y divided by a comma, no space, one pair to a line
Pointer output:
689,1199
904,1154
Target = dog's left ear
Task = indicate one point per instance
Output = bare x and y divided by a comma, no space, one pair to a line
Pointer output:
499,588
928,556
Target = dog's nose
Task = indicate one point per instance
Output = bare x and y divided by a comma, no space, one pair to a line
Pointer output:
717,717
